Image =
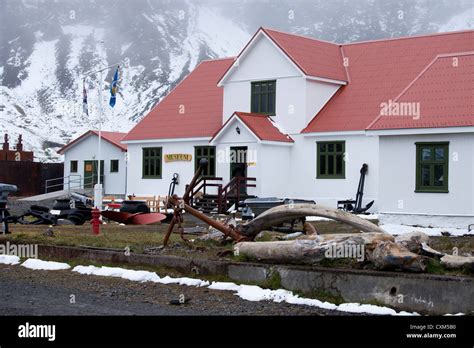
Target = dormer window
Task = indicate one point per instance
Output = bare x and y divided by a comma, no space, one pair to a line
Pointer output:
263,97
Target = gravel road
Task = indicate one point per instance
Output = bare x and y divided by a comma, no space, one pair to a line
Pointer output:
31,292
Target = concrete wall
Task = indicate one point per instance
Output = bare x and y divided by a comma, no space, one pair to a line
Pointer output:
302,178
86,150
424,293
398,179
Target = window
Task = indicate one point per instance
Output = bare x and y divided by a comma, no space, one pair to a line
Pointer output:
330,160
152,163
263,97
73,167
114,166
209,153
432,167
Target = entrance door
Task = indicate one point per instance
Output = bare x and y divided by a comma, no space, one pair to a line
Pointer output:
238,164
90,173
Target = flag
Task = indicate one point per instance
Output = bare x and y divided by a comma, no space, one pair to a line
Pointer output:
84,98
113,89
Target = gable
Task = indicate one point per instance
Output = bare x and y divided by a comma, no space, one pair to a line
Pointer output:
262,60
229,133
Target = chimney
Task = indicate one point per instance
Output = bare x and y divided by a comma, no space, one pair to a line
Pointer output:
19,145
6,146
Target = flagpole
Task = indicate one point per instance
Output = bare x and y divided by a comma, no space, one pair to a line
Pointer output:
98,187
98,190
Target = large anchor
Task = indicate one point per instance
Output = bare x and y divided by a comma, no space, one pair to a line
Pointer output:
179,205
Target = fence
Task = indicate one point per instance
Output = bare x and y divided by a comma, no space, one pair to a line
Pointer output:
29,177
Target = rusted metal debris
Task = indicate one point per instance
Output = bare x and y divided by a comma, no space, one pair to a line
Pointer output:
272,217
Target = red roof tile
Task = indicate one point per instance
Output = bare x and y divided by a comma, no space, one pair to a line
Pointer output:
261,125
380,70
445,94
314,57
112,137
193,109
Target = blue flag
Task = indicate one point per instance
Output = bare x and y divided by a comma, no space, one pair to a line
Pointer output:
113,89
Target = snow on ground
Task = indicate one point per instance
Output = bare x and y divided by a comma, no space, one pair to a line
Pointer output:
363,216
9,259
137,276
397,229
44,265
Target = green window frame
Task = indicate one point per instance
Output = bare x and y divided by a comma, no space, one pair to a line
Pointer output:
432,167
263,97
330,160
73,166
209,153
152,162
114,166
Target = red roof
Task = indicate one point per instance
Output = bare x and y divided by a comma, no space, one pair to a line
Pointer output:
446,104
380,70
314,57
112,137
261,125
192,109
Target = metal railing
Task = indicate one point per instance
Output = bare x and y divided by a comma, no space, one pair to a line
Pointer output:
71,182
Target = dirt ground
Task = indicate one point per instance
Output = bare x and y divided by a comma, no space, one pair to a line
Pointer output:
31,292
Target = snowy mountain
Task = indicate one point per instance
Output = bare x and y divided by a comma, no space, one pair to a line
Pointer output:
46,46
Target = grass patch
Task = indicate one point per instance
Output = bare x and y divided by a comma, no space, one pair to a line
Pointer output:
321,295
434,266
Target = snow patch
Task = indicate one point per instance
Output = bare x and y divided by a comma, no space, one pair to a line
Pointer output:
9,259
362,216
37,264
397,229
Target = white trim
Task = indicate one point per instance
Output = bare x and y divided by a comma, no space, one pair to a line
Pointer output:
276,143
274,78
424,214
415,131
330,134
228,124
167,140
247,48
324,79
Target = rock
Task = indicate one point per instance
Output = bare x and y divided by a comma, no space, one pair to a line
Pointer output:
390,255
451,261
290,236
214,235
412,240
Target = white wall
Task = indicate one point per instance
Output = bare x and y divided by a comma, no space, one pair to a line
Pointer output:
86,150
302,178
398,177
139,186
317,95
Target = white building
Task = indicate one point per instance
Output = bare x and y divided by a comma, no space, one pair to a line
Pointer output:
81,164
307,114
